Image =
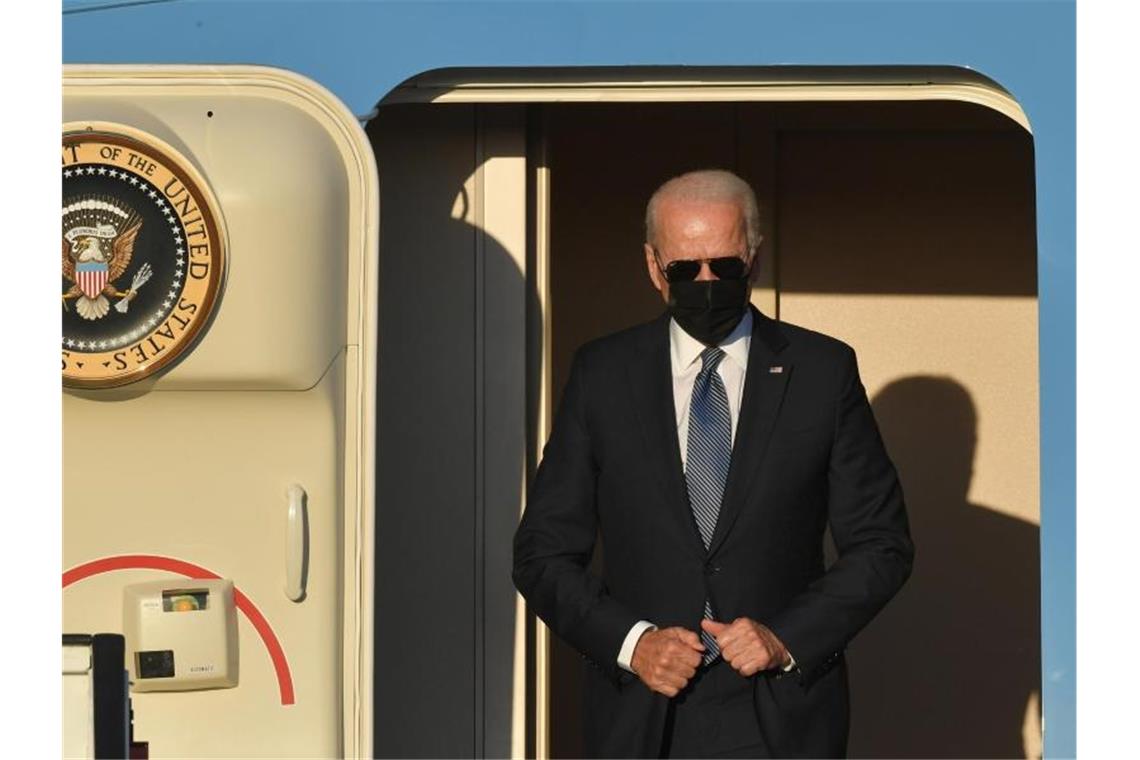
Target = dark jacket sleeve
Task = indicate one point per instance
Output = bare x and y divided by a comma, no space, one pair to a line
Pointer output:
554,541
868,522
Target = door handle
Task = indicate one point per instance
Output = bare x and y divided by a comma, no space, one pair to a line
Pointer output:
296,542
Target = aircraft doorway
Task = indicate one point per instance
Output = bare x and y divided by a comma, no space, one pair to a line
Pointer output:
511,233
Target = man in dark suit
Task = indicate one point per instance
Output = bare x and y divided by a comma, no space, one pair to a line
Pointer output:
711,447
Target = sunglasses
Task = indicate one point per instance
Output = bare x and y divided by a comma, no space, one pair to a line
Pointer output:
683,270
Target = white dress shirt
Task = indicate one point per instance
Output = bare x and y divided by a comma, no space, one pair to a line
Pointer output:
684,358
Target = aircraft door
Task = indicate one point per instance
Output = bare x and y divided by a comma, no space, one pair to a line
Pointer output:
219,238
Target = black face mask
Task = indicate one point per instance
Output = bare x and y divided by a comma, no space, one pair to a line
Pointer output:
708,310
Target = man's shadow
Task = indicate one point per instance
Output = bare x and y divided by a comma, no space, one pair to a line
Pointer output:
953,662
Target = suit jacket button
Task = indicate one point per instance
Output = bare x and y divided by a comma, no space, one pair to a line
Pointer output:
712,569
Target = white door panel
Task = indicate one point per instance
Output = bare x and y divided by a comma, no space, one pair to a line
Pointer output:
194,467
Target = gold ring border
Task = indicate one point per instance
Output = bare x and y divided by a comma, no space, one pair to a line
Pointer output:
131,137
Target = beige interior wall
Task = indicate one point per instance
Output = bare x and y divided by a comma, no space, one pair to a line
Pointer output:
501,221
452,430
426,301
895,258
942,337
912,218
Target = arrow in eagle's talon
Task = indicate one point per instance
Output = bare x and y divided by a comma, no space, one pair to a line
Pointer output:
139,280
121,305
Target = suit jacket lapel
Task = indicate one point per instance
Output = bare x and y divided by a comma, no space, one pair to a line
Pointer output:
651,387
759,407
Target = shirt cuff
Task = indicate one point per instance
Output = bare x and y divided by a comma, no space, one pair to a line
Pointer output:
791,664
625,656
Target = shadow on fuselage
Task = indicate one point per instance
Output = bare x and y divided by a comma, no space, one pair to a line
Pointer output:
952,665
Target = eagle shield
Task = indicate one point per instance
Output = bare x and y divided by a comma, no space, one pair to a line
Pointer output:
98,241
91,277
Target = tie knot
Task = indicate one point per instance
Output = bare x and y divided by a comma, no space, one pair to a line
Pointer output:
710,358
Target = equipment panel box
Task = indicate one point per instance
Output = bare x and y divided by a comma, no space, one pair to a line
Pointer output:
181,635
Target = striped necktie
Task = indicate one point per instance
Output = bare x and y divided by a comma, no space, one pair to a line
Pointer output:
707,458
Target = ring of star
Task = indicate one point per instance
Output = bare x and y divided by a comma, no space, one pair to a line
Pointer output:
149,193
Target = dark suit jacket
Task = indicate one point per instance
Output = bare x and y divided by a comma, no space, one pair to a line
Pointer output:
807,454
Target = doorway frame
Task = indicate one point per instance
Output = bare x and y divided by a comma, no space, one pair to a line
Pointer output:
652,84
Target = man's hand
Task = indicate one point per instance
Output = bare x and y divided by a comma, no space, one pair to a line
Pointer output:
666,659
747,646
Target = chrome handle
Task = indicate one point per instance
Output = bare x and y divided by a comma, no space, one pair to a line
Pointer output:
296,542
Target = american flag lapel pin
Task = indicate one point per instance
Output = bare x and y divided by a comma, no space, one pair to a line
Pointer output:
775,370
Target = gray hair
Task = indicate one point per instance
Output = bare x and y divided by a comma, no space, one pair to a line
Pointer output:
709,186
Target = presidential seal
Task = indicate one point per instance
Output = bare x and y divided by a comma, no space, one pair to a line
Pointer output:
143,259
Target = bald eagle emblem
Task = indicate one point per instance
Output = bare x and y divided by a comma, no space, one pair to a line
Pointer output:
98,242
